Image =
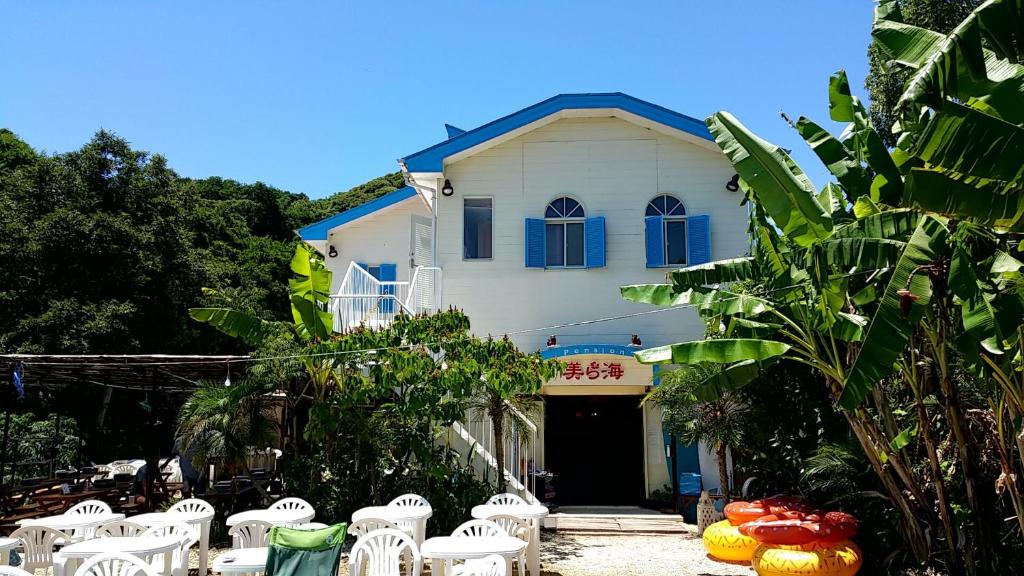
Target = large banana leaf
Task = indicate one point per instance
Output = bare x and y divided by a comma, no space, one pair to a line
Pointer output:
863,141
781,187
730,379
970,142
313,279
959,65
718,272
708,301
311,321
249,329
723,351
991,203
746,328
891,326
839,160
988,315
857,253
891,224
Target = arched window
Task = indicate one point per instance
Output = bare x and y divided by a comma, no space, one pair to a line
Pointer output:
666,230
564,243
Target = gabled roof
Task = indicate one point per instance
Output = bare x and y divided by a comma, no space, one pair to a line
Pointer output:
318,230
432,159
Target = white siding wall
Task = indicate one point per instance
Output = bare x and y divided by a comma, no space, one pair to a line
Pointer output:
614,168
381,237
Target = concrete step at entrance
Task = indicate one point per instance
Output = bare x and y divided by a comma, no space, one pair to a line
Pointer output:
612,519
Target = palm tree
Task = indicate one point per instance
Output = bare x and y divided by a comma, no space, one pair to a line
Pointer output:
719,421
222,423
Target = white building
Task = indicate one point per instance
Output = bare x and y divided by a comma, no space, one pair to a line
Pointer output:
530,224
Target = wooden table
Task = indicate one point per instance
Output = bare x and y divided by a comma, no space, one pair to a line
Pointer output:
86,523
198,520
443,550
532,513
241,561
144,547
410,518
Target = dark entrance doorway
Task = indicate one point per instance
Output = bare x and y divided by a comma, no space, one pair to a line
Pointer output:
594,444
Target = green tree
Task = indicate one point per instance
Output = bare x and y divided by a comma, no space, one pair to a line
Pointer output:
720,421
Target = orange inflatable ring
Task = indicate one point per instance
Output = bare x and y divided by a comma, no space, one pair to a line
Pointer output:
724,541
819,558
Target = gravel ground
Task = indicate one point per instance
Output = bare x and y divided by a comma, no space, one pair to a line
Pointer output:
564,554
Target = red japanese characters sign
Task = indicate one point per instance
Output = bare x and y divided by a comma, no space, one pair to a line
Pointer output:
593,371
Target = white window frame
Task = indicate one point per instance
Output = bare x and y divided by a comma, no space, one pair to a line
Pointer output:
565,236
464,198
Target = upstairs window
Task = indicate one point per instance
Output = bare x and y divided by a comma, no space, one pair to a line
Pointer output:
563,230
672,238
565,237
477,228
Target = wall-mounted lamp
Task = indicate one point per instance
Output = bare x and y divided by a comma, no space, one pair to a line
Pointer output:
552,341
733,184
447,189
634,341
332,251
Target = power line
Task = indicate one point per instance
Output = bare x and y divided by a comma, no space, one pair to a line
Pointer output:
228,360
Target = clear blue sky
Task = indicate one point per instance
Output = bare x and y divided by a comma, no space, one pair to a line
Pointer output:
317,97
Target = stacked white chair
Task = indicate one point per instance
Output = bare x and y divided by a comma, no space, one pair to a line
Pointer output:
478,528
125,469
90,507
192,505
187,537
13,571
251,534
37,546
116,564
517,528
506,499
410,500
291,504
120,528
492,565
385,552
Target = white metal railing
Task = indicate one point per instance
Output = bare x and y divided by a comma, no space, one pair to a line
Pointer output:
363,300
520,444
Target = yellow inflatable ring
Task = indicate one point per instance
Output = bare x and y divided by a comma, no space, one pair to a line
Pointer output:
724,541
818,558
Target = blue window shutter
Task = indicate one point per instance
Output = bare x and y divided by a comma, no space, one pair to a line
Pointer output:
388,273
535,243
654,239
593,235
698,239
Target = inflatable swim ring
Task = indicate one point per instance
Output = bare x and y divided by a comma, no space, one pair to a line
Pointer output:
818,558
724,541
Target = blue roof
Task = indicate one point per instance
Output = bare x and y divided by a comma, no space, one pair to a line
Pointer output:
319,230
432,159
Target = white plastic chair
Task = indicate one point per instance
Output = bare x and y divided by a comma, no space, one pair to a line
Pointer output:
515,527
291,504
492,565
179,557
506,499
385,552
192,505
124,469
90,507
120,528
362,527
477,528
103,471
251,534
410,500
311,526
37,543
115,564
13,571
